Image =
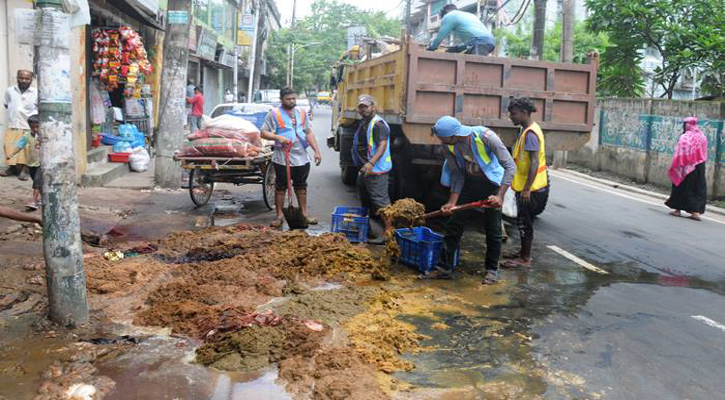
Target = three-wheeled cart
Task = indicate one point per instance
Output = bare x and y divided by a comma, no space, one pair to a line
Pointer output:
204,172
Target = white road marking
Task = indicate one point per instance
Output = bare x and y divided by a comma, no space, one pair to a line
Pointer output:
708,321
628,197
578,260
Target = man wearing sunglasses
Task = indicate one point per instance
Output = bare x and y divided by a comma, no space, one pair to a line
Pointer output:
477,167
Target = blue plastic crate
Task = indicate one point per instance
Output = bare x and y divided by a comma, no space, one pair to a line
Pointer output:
420,247
355,228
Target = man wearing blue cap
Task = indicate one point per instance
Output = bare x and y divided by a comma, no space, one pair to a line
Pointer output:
477,167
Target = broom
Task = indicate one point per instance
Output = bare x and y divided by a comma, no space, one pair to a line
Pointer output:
293,215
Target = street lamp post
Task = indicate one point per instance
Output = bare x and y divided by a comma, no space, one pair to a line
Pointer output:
291,70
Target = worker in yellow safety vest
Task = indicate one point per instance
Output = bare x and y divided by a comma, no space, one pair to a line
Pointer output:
531,181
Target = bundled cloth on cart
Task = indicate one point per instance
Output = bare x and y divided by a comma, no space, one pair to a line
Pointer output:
228,127
219,147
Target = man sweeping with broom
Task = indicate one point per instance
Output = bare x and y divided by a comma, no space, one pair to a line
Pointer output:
291,131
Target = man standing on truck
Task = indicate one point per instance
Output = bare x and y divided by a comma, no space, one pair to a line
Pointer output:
371,154
290,128
531,181
477,167
476,37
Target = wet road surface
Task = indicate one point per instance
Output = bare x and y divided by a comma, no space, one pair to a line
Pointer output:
649,326
653,326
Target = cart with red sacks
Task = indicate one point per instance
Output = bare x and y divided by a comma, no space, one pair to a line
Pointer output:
206,171
227,149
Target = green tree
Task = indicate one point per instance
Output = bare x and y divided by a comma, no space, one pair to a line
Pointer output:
518,42
325,33
687,33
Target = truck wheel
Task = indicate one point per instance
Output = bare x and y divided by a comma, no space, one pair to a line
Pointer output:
349,175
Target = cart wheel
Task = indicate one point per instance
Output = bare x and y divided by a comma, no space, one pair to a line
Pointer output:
200,187
268,187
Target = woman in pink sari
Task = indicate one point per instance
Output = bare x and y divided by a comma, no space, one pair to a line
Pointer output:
687,172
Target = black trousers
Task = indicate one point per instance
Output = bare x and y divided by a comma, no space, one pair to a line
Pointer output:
474,189
527,212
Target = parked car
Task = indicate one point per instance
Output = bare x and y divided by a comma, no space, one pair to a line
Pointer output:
240,107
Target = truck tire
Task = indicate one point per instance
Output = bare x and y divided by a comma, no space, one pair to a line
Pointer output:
349,175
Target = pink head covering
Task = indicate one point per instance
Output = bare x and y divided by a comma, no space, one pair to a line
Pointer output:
691,150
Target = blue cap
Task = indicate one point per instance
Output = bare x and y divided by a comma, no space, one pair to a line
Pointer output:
449,126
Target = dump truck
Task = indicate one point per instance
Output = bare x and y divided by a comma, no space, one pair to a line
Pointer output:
414,87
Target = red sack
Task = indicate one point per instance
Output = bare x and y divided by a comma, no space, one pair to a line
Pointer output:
219,147
206,133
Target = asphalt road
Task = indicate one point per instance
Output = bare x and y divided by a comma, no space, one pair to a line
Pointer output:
649,325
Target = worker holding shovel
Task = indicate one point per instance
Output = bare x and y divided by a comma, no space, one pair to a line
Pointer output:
291,131
477,167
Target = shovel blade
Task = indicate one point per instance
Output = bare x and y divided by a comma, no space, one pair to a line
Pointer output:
294,217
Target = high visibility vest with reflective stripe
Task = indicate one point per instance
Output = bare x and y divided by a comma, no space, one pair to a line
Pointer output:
523,162
385,163
287,128
484,157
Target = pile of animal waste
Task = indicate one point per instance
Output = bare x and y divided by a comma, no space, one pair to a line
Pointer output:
243,269
254,341
404,213
255,297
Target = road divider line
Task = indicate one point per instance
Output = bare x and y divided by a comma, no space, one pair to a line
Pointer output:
578,260
626,196
707,321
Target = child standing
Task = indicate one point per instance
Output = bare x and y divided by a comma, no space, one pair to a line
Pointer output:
31,140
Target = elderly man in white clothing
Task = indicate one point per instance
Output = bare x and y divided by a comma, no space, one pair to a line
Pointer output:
21,101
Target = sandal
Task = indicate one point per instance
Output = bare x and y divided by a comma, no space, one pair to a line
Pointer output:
311,221
491,277
515,263
511,256
695,217
676,213
277,223
32,206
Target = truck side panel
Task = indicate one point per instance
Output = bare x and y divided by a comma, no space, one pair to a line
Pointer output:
476,90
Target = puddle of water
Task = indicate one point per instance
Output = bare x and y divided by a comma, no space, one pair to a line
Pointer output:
263,387
163,368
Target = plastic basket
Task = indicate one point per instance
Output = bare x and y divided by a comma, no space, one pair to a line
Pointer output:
109,139
420,247
352,221
118,157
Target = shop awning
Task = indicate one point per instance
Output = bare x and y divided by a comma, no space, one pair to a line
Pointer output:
133,9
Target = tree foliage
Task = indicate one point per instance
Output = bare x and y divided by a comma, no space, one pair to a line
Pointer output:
687,33
518,42
324,33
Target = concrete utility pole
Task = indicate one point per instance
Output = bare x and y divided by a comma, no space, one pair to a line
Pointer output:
568,17
62,246
253,54
173,98
537,39
408,26
567,32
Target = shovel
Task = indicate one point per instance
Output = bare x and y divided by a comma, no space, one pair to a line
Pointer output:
293,215
467,206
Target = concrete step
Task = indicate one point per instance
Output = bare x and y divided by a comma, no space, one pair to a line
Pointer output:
102,173
99,154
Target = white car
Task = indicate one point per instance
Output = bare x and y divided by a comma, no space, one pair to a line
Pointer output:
242,107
